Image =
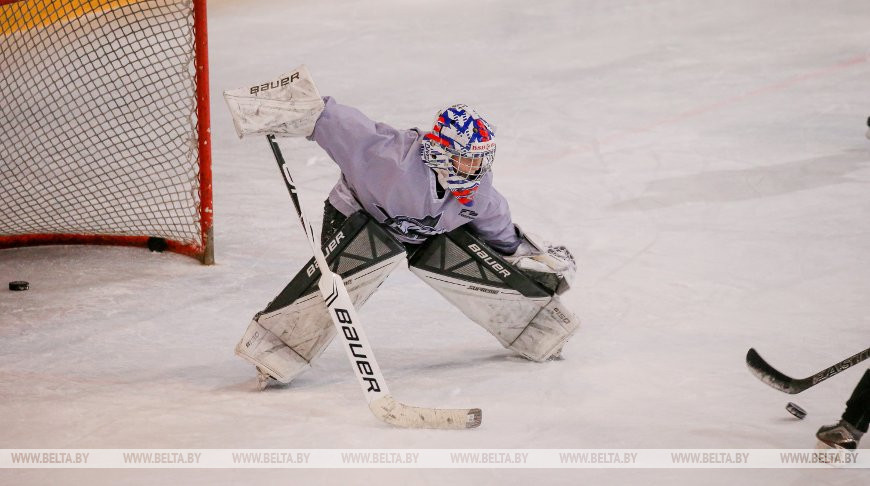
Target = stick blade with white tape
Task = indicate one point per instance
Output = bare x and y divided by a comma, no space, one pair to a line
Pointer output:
397,413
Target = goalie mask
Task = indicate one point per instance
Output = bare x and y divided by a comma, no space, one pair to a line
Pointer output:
460,148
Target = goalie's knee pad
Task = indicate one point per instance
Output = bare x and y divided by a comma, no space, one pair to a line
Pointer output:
522,314
295,327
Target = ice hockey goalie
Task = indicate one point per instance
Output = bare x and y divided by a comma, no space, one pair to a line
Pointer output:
424,196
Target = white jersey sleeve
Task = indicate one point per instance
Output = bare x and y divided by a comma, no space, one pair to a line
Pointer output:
494,225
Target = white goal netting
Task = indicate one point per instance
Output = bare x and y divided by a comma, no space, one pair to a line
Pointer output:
99,120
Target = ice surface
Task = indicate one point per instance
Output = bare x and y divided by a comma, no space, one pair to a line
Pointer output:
705,162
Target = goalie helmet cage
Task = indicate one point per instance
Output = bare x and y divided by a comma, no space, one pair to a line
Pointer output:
104,110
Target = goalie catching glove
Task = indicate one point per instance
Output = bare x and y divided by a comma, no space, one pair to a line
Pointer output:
287,106
551,265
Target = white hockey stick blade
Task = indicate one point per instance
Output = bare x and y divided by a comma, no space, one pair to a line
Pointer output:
396,413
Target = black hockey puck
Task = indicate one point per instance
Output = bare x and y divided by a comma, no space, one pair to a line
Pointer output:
157,244
796,410
19,285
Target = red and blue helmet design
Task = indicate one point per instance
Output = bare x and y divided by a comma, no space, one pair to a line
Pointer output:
459,131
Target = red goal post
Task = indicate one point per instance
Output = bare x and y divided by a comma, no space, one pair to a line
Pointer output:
104,124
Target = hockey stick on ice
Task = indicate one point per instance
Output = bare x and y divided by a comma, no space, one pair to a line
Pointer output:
357,346
781,382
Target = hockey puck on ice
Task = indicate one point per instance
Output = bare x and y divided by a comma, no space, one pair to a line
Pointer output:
19,285
796,410
157,244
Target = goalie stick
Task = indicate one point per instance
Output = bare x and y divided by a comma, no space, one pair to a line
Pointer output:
356,344
770,375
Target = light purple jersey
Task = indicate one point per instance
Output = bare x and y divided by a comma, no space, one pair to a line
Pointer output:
382,173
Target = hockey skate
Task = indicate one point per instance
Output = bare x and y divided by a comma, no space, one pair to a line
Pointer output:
841,435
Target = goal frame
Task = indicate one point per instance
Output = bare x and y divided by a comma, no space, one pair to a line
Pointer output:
203,252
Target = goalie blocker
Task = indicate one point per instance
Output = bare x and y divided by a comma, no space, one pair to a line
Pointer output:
524,315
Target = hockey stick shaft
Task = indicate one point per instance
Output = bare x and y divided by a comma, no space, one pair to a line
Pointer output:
356,344
341,309
776,379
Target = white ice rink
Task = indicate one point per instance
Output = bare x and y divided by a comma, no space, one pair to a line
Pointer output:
705,162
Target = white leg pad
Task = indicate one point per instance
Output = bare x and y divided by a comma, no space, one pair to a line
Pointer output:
536,328
547,332
285,341
262,348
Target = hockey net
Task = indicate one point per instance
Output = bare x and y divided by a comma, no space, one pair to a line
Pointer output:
104,118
